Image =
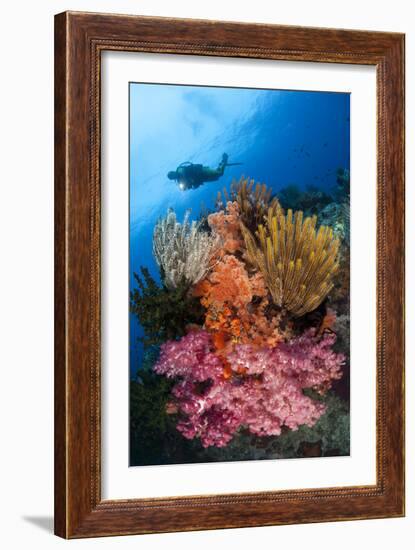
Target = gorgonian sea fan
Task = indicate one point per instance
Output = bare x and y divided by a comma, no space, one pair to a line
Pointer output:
264,394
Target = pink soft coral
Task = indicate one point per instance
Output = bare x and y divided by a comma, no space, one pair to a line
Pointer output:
263,393
191,357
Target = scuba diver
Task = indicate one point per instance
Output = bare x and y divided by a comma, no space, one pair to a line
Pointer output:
192,176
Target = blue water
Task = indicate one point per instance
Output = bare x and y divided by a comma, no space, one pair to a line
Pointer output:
282,137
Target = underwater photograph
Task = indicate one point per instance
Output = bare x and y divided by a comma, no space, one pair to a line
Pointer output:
239,268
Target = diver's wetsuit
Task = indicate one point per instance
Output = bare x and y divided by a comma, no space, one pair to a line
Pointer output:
192,176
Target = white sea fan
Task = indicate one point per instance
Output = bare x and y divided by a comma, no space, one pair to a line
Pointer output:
182,250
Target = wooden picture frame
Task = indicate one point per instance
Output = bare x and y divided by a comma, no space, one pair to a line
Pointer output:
79,40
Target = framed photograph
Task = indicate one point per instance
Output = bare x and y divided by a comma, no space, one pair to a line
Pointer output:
229,276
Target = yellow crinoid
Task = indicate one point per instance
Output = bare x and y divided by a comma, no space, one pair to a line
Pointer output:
254,200
298,261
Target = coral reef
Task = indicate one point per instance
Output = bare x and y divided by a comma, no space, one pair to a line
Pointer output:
246,339
343,184
290,196
311,201
163,313
226,224
254,201
182,250
345,212
149,395
340,294
337,216
229,282
331,433
341,327
238,308
154,438
263,393
298,263
150,356
330,436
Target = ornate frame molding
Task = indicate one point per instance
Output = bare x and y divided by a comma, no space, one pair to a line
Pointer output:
79,40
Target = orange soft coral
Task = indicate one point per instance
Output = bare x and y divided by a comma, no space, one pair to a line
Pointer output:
264,330
225,223
228,282
238,308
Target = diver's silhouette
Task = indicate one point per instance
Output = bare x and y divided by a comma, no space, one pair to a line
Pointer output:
192,176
